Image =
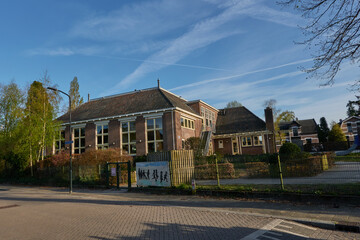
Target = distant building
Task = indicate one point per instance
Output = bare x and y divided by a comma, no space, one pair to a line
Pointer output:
350,127
300,131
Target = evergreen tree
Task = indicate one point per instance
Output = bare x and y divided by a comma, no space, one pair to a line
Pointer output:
323,130
336,135
351,110
76,99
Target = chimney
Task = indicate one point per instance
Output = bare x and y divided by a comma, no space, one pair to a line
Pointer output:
158,83
269,119
88,97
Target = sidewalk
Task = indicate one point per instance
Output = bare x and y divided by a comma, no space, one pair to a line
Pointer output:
329,216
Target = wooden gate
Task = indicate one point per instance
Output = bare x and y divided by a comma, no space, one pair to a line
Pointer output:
181,164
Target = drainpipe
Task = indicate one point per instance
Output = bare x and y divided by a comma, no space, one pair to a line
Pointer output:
173,130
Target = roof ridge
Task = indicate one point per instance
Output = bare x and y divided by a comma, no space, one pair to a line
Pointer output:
173,94
122,94
252,113
166,98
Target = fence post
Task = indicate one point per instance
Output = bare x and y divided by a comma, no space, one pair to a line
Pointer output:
217,172
117,176
129,175
280,174
107,174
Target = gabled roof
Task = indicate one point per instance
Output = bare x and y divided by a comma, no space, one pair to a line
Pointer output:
288,125
308,126
127,103
238,120
349,118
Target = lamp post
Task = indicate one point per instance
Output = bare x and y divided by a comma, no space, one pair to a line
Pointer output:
70,134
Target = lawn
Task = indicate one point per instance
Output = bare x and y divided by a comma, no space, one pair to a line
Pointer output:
352,157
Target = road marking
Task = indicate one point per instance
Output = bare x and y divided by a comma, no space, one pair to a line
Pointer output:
285,231
263,230
275,233
301,225
285,226
272,238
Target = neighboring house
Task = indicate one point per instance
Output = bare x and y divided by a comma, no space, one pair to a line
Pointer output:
351,127
155,120
300,131
239,131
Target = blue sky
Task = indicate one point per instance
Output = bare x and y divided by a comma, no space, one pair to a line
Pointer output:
214,50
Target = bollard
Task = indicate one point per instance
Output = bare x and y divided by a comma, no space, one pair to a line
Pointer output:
193,187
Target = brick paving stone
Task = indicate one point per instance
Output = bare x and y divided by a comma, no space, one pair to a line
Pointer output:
44,214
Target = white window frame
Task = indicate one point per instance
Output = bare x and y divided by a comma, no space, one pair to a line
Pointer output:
187,123
128,132
246,141
155,141
259,140
58,142
102,135
81,147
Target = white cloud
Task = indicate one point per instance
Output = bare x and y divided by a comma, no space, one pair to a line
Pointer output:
238,75
65,51
140,20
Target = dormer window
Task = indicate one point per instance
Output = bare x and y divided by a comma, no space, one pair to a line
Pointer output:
349,128
295,131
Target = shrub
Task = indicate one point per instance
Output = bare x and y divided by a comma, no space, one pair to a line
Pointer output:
289,151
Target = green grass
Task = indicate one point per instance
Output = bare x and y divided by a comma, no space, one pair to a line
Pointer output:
352,157
319,189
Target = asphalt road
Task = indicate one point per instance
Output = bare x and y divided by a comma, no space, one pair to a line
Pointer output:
40,213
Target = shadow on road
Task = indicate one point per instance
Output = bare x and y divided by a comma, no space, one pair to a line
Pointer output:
182,231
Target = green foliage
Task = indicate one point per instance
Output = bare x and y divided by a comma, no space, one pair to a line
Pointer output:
195,144
323,130
76,99
336,135
233,104
289,151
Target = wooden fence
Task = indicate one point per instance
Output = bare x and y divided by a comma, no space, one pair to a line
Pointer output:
181,164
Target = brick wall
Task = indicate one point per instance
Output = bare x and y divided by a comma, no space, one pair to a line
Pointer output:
114,134
227,146
90,134
167,130
140,136
254,150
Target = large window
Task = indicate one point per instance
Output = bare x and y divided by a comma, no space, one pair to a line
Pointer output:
128,141
60,141
257,140
246,141
102,136
154,135
79,140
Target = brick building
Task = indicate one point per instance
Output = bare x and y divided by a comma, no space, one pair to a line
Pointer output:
350,127
154,119
300,131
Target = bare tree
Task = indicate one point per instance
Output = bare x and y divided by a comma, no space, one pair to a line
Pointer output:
233,104
334,28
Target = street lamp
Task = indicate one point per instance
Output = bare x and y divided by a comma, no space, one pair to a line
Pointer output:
70,134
